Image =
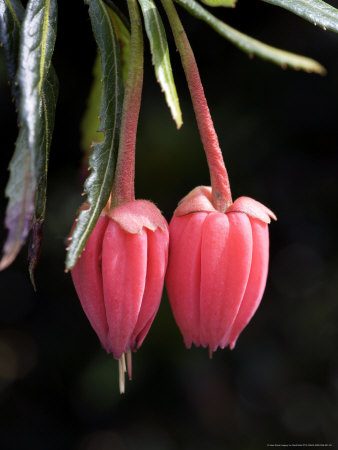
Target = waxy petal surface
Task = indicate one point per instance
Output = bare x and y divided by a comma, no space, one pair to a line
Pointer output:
120,275
184,272
226,255
157,258
257,280
87,280
124,268
214,264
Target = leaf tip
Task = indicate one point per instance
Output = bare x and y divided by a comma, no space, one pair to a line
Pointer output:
322,71
9,256
5,262
318,69
179,122
68,263
32,278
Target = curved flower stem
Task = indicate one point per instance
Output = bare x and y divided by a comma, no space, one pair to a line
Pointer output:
123,187
221,194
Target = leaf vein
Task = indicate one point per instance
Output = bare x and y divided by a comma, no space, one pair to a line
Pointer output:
10,7
110,152
43,43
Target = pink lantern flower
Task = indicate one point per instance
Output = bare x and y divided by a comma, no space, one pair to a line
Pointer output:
218,266
219,250
120,275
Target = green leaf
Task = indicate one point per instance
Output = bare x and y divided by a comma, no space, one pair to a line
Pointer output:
161,60
123,36
21,191
37,46
91,121
315,11
102,162
117,12
49,95
27,168
47,108
250,45
225,3
11,14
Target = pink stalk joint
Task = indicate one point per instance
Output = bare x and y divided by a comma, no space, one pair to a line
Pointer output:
120,275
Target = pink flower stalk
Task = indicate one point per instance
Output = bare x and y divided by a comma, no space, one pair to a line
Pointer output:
218,265
219,250
120,275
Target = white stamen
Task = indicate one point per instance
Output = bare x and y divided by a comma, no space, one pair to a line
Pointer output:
122,370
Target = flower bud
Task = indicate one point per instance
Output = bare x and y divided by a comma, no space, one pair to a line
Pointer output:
119,276
218,265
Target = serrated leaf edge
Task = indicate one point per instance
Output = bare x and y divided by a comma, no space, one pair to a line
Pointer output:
73,254
174,106
324,9
250,45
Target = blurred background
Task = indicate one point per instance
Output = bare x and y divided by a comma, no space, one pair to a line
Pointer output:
279,135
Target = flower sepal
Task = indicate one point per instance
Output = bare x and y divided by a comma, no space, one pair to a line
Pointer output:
200,200
252,208
135,215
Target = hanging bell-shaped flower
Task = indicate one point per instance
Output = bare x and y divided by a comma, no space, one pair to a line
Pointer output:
119,276
218,265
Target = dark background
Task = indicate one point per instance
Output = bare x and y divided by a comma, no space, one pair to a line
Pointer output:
279,134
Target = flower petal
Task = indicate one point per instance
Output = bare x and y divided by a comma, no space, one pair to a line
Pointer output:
257,279
183,274
157,254
124,269
225,266
87,280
